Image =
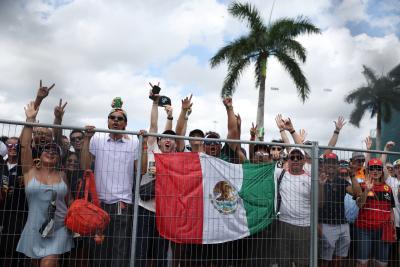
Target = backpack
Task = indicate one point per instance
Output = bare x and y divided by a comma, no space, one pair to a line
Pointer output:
85,217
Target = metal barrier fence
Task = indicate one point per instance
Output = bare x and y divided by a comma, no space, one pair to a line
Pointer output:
211,210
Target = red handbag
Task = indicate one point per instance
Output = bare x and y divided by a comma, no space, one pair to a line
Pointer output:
85,217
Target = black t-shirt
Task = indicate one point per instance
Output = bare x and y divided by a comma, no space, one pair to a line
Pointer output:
228,154
333,211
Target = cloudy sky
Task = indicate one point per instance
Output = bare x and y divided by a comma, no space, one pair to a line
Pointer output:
97,50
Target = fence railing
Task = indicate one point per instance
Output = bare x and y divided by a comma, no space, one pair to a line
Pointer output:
231,224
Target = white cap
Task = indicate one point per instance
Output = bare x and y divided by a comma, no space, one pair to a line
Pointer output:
297,149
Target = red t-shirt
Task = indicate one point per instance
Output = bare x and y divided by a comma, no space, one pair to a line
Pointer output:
377,208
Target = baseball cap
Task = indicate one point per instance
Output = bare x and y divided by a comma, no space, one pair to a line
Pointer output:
170,132
297,149
375,162
357,155
196,132
212,135
330,156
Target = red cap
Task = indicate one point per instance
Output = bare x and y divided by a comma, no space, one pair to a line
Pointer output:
375,162
330,156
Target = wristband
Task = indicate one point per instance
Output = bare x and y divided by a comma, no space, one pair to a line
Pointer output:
252,138
281,130
336,131
292,131
170,118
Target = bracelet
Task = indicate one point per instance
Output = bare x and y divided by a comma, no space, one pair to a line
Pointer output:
228,108
281,130
292,131
336,131
170,118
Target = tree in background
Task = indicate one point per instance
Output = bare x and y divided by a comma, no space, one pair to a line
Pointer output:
379,97
276,39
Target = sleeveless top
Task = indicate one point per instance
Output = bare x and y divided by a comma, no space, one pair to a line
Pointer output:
39,195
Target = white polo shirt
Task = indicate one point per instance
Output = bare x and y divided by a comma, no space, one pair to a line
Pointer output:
114,167
295,193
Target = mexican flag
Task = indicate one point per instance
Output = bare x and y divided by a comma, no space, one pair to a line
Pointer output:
201,199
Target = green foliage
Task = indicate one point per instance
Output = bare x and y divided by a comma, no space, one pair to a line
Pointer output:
276,39
381,94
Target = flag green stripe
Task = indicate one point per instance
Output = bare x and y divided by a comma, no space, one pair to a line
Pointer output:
258,194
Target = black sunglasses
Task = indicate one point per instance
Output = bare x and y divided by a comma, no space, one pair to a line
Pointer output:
293,158
375,168
118,118
210,143
13,146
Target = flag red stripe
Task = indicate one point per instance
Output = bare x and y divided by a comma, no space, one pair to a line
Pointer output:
179,197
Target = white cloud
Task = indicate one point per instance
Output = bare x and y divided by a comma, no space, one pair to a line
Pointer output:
96,50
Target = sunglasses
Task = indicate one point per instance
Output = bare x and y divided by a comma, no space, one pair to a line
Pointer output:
51,149
375,168
118,118
293,158
210,143
276,148
15,146
74,139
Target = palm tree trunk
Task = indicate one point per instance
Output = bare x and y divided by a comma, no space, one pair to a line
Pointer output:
378,129
261,95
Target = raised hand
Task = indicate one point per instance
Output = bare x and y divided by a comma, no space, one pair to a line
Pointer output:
227,102
168,109
303,135
288,125
187,103
322,178
152,95
60,109
280,123
31,112
44,91
253,130
89,131
368,142
389,145
339,123
369,184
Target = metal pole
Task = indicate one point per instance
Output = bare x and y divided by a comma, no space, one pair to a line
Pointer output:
314,206
136,203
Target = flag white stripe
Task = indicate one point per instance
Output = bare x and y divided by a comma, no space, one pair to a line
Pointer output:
219,227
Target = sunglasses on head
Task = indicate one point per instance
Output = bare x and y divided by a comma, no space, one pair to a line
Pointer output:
210,143
375,168
118,118
12,146
296,157
276,148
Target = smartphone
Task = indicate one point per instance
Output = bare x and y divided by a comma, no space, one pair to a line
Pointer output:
163,101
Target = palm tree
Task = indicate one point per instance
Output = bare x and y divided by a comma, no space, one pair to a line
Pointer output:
276,39
379,97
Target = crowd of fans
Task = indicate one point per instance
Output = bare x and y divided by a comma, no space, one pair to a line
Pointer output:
42,168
